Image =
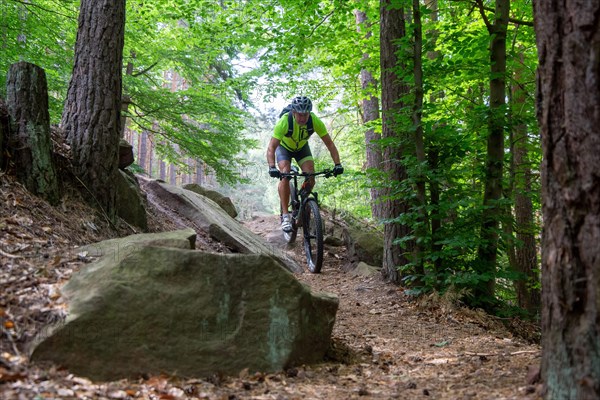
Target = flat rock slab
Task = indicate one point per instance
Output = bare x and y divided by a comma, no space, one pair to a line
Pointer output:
218,224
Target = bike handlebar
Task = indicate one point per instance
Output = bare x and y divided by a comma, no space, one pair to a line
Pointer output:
326,172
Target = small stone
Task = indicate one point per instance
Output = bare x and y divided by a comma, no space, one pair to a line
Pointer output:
62,392
118,394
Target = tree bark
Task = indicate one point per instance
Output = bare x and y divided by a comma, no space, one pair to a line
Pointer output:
91,117
525,253
422,232
487,252
199,172
172,174
162,170
392,29
568,41
143,152
433,152
370,112
30,143
4,130
125,99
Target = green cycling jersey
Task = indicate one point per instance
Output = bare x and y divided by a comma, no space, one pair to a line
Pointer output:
300,135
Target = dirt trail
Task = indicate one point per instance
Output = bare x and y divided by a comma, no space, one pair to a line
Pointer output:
387,346
384,345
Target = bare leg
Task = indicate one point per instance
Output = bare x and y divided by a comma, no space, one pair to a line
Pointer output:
284,187
309,167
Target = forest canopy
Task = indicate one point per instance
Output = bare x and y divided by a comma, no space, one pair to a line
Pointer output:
202,81
431,103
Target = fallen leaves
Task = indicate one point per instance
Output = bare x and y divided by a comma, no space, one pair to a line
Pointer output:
8,376
383,347
5,254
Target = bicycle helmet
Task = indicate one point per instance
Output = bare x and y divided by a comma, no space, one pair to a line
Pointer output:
301,104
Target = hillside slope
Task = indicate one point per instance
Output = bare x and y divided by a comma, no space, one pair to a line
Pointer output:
385,345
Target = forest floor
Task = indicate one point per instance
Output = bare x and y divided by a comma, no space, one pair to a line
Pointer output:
385,344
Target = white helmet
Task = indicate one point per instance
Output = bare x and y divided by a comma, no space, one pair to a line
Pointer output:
301,104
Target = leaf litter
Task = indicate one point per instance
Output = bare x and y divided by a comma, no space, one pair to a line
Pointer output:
385,344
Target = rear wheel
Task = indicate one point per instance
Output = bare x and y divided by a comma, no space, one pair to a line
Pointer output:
313,236
290,237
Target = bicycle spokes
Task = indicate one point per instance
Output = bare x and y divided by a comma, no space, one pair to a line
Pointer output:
313,236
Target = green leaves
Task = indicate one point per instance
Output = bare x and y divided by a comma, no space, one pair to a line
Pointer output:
191,67
197,42
40,32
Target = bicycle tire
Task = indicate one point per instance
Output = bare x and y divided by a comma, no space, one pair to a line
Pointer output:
290,237
313,235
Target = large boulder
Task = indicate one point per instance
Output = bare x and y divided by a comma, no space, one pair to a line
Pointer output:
364,269
211,218
120,248
224,202
364,244
152,310
131,204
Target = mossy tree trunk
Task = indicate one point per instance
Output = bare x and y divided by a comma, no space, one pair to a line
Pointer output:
29,140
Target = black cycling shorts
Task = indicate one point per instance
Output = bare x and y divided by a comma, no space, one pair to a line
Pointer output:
301,156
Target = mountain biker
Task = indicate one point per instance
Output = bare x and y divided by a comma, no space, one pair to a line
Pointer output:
288,143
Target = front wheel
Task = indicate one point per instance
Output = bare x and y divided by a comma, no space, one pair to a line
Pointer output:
313,236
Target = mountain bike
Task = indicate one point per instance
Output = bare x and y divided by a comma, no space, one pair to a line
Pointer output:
306,214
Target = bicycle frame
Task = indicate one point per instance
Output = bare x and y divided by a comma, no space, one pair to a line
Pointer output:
298,198
306,214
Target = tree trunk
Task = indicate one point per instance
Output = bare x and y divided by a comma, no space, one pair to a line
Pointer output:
199,172
125,99
30,143
422,232
433,154
487,252
143,151
172,174
392,29
568,41
91,117
525,253
162,170
370,112
150,154
4,131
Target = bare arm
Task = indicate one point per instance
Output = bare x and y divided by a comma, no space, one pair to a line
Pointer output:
271,151
335,155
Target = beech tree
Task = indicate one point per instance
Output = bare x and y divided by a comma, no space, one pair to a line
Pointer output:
369,112
568,39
